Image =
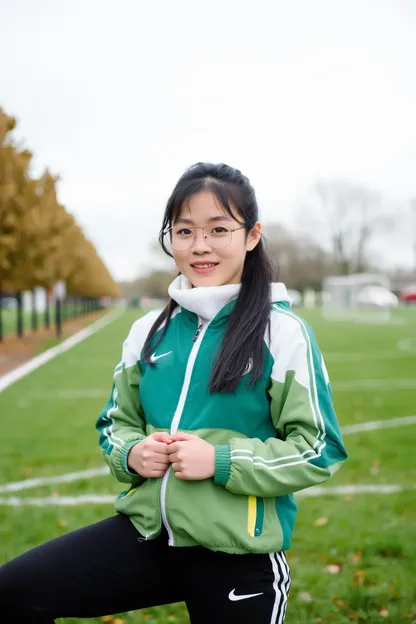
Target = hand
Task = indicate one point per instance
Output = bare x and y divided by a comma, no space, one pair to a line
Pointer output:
149,458
192,458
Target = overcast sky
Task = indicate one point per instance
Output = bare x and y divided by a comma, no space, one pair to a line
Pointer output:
120,97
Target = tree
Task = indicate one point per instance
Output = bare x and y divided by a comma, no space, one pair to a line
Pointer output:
298,260
40,242
347,216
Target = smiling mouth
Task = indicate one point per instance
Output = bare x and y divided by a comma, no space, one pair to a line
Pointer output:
205,265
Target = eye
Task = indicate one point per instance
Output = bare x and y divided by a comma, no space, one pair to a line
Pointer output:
183,232
220,230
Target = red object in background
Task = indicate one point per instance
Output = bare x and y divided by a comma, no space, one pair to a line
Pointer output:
408,294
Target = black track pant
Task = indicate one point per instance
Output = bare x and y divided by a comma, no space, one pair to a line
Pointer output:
108,568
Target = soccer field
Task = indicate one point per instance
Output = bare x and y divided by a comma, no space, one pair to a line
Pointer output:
353,554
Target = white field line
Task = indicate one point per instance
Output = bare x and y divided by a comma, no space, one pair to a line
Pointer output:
372,425
353,489
69,477
104,499
71,394
64,501
21,371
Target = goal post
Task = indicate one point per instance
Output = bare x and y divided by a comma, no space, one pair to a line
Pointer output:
360,297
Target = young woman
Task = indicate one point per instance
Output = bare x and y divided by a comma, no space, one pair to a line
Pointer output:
221,409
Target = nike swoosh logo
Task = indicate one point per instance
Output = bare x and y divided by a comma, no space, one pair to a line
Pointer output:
233,597
154,357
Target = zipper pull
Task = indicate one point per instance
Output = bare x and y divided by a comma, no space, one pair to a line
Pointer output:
198,331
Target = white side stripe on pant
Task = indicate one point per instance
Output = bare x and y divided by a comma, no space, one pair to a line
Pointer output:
281,585
287,584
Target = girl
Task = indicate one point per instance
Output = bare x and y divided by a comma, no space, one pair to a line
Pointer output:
221,409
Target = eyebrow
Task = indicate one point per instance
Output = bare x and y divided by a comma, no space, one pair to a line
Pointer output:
211,219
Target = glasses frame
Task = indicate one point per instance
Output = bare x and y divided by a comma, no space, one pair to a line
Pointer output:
201,227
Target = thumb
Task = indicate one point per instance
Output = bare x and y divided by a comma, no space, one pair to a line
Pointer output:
181,436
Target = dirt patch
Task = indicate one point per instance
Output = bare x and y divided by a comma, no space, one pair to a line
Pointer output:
15,351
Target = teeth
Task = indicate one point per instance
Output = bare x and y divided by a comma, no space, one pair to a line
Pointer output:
204,266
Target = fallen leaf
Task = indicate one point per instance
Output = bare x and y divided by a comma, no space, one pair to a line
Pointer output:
357,557
334,568
107,618
359,577
384,612
304,597
62,523
321,521
118,621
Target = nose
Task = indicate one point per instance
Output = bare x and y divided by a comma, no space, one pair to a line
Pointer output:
200,243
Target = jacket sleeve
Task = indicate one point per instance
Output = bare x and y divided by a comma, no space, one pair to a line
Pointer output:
308,447
121,423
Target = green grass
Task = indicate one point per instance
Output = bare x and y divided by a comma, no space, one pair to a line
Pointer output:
9,318
370,539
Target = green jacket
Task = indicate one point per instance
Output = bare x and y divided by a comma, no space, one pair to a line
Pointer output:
271,440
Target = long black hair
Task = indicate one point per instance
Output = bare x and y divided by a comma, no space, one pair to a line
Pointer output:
243,340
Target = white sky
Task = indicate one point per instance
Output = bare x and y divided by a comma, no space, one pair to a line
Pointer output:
120,97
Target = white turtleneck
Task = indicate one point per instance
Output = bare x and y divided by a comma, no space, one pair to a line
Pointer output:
204,301
207,301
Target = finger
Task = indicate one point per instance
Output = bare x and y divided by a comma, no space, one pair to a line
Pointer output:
155,474
181,436
160,447
161,462
176,467
181,475
173,448
161,436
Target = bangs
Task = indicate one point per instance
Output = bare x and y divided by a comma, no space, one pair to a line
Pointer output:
227,195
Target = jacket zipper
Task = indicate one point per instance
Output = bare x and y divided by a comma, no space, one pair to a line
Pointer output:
197,339
198,331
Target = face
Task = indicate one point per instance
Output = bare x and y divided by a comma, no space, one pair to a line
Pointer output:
202,263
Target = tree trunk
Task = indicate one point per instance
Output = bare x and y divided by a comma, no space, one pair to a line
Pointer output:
19,327
47,318
1,315
58,317
34,312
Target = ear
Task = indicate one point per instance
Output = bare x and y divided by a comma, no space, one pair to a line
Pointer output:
253,237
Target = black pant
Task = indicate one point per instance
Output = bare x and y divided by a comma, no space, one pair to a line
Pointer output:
108,568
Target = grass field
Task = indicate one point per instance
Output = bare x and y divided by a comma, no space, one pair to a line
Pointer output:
9,318
353,555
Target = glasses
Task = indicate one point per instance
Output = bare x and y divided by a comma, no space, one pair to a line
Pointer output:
180,238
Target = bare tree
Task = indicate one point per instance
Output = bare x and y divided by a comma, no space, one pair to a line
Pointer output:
298,259
348,216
